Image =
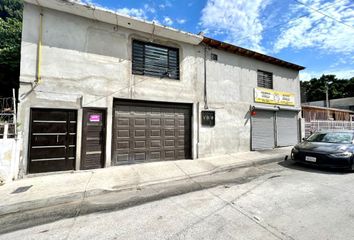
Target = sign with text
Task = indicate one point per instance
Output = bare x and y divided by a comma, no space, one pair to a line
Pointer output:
95,118
269,96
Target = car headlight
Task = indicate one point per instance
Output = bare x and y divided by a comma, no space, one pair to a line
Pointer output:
342,155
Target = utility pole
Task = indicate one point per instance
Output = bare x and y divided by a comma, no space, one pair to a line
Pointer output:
327,101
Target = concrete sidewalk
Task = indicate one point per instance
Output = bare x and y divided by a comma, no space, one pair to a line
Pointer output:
63,189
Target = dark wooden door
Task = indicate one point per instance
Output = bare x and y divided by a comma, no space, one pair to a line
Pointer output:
151,131
93,138
52,140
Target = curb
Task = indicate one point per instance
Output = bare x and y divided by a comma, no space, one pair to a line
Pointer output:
32,213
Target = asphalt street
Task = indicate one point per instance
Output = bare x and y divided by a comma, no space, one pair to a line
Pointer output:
273,201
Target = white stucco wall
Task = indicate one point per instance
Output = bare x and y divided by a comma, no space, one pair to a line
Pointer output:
86,63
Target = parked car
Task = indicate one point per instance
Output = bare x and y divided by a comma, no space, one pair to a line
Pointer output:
327,148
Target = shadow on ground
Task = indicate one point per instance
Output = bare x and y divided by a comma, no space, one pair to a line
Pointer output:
312,168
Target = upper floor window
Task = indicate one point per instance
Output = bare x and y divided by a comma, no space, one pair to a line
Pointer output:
264,79
155,60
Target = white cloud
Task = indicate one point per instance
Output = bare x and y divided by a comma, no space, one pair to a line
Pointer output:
149,8
181,21
238,20
137,12
316,30
341,74
165,4
133,12
168,21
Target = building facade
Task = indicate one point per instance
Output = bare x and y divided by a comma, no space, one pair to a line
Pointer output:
99,89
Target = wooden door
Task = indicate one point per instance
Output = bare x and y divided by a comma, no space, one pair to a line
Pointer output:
93,138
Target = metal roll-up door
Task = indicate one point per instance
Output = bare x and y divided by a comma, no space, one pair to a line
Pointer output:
263,130
151,131
287,128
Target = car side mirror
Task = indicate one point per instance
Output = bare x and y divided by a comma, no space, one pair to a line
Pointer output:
304,139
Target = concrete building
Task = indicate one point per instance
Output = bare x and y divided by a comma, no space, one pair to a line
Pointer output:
99,89
341,103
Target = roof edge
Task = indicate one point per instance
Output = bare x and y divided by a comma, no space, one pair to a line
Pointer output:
249,53
111,17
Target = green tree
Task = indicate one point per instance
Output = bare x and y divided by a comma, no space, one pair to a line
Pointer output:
10,45
315,89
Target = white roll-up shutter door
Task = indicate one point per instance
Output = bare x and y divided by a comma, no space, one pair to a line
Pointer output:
287,128
263,130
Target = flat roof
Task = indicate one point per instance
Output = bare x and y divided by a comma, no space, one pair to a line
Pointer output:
108,16
249,53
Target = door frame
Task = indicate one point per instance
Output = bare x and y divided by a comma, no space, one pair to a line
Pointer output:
83,135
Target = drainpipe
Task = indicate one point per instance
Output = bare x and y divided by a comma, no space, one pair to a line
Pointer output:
39,49
38,76
198,107
205,79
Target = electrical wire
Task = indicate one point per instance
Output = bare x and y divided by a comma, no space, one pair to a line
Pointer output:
292,20
324,14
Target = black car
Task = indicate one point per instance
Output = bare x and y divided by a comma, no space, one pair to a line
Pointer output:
329,149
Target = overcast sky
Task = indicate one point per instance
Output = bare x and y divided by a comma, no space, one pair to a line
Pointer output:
293,30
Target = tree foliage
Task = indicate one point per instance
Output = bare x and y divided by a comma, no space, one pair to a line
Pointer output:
10,45
315,89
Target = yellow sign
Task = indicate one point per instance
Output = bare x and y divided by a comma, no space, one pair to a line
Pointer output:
264,95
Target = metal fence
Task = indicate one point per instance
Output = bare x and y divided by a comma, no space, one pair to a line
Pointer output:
7,118
318,125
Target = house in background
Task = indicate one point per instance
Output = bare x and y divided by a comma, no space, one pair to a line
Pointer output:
313,113
99,89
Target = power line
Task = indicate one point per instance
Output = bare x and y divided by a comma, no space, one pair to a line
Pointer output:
324,14
292,20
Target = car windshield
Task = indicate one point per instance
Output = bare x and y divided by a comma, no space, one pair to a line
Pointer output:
332,137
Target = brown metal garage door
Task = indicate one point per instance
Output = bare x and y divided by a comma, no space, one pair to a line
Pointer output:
150,131
52,143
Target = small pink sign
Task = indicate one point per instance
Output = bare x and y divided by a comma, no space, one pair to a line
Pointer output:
95,118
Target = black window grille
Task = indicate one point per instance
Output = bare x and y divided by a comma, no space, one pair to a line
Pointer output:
155,60
264,79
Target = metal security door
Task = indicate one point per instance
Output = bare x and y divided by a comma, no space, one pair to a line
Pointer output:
93,138
150,131
263,130
287,128
52,140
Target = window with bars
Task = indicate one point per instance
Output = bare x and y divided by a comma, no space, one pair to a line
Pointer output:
264,79
155,60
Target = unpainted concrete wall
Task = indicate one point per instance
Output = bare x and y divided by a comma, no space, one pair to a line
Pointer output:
342,103
230,83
